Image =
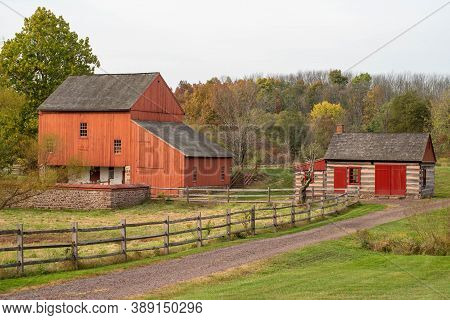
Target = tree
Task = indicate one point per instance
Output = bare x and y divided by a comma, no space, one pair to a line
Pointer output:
309,156
408,112
292,129
362,78
440,118
336,77
324,118
40,57
13,143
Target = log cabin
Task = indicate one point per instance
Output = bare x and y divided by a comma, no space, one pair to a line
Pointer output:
127,129
395,165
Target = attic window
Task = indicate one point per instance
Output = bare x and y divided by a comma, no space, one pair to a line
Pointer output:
117,146
83,129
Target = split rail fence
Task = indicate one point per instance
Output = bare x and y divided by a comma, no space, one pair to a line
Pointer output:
226,195
168,233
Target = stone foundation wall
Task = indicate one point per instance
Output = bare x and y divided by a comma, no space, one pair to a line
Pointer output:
86,197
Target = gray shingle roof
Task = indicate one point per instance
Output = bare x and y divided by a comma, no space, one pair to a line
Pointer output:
98,92
377,147
185,139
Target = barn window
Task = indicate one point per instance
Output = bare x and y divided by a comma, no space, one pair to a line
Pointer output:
194,174
424,177
83,129
111,173
354,175
117,146
222,174
50,146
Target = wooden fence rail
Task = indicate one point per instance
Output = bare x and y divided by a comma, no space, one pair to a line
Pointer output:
224,195
251,219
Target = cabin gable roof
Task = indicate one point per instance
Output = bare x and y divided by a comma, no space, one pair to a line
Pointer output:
405,147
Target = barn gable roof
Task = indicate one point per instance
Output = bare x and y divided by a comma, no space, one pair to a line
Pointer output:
98,92
185,139
405,147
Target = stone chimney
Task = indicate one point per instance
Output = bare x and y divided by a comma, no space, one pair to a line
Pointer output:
340,128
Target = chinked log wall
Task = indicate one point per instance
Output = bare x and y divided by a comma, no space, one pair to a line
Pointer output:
87,197
324,180
367,187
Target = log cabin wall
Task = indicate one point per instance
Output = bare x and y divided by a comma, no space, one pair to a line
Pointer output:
367,184
96,149
318,184
427,190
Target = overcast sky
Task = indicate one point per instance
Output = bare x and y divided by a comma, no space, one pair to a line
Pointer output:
196,40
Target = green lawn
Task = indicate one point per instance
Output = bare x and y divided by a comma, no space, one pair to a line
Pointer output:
10,284
442,182
339,269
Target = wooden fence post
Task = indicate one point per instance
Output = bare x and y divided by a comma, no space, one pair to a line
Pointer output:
275,223
308,207
166,236
199,230
312,195
228,193
187,194
322,208
123,233
268,194
292,216
20,267
346,199
253,221
228,224
75,245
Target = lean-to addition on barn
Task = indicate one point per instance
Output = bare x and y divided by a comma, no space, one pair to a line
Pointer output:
127,129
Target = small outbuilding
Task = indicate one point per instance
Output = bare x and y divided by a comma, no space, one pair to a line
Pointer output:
381,164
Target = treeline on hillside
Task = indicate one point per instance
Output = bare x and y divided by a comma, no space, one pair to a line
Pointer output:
271,119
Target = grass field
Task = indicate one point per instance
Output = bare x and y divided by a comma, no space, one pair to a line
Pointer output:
41,277
442,182
339,269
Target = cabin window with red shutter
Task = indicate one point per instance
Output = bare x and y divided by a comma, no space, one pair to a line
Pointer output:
354,175
83,129
222,174
194,174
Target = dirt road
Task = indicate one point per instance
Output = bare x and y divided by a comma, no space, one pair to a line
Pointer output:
141,280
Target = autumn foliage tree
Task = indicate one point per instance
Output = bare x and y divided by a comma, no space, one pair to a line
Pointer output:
40,57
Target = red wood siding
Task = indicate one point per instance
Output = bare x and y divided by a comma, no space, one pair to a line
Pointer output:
157,103
340,179
390,179
208,171
154,162
429,155
94,150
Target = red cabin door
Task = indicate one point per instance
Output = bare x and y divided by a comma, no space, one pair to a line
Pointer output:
340,179
398,180
390,179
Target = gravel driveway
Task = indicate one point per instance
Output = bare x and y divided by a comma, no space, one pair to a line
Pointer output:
141,280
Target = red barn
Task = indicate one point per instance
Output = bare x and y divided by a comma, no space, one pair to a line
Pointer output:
127,128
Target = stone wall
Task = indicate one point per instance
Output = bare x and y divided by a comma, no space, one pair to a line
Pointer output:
86,197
